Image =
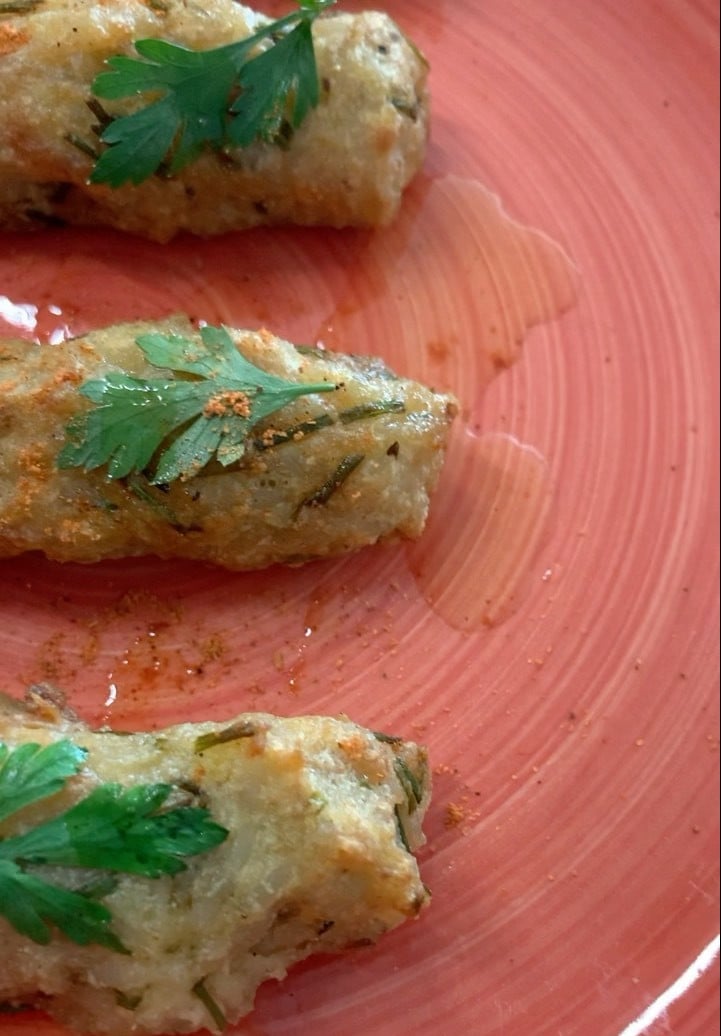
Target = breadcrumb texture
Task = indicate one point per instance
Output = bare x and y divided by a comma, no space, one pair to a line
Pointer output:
347,164
248,515
314,862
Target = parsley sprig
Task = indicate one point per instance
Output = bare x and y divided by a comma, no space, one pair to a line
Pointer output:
112,830
205,413
225,97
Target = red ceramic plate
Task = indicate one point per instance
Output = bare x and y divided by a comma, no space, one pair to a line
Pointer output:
552,637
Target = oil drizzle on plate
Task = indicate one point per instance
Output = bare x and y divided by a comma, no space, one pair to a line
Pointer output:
456,285
451,289
488,518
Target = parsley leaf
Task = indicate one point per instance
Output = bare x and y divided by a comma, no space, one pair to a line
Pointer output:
190,420
118,829
227,96
32,772
113,829
192,112
277,88
32,906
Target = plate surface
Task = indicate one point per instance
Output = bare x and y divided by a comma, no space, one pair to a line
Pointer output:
552,637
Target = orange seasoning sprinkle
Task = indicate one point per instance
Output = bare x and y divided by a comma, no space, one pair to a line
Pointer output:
455,815
268,435
34,460
11,38
62,376
228,403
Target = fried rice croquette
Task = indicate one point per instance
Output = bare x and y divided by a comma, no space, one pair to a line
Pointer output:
322,819
346,165
327,474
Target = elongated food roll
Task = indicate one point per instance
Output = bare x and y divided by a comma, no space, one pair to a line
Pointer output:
351,463
318,819
346,164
